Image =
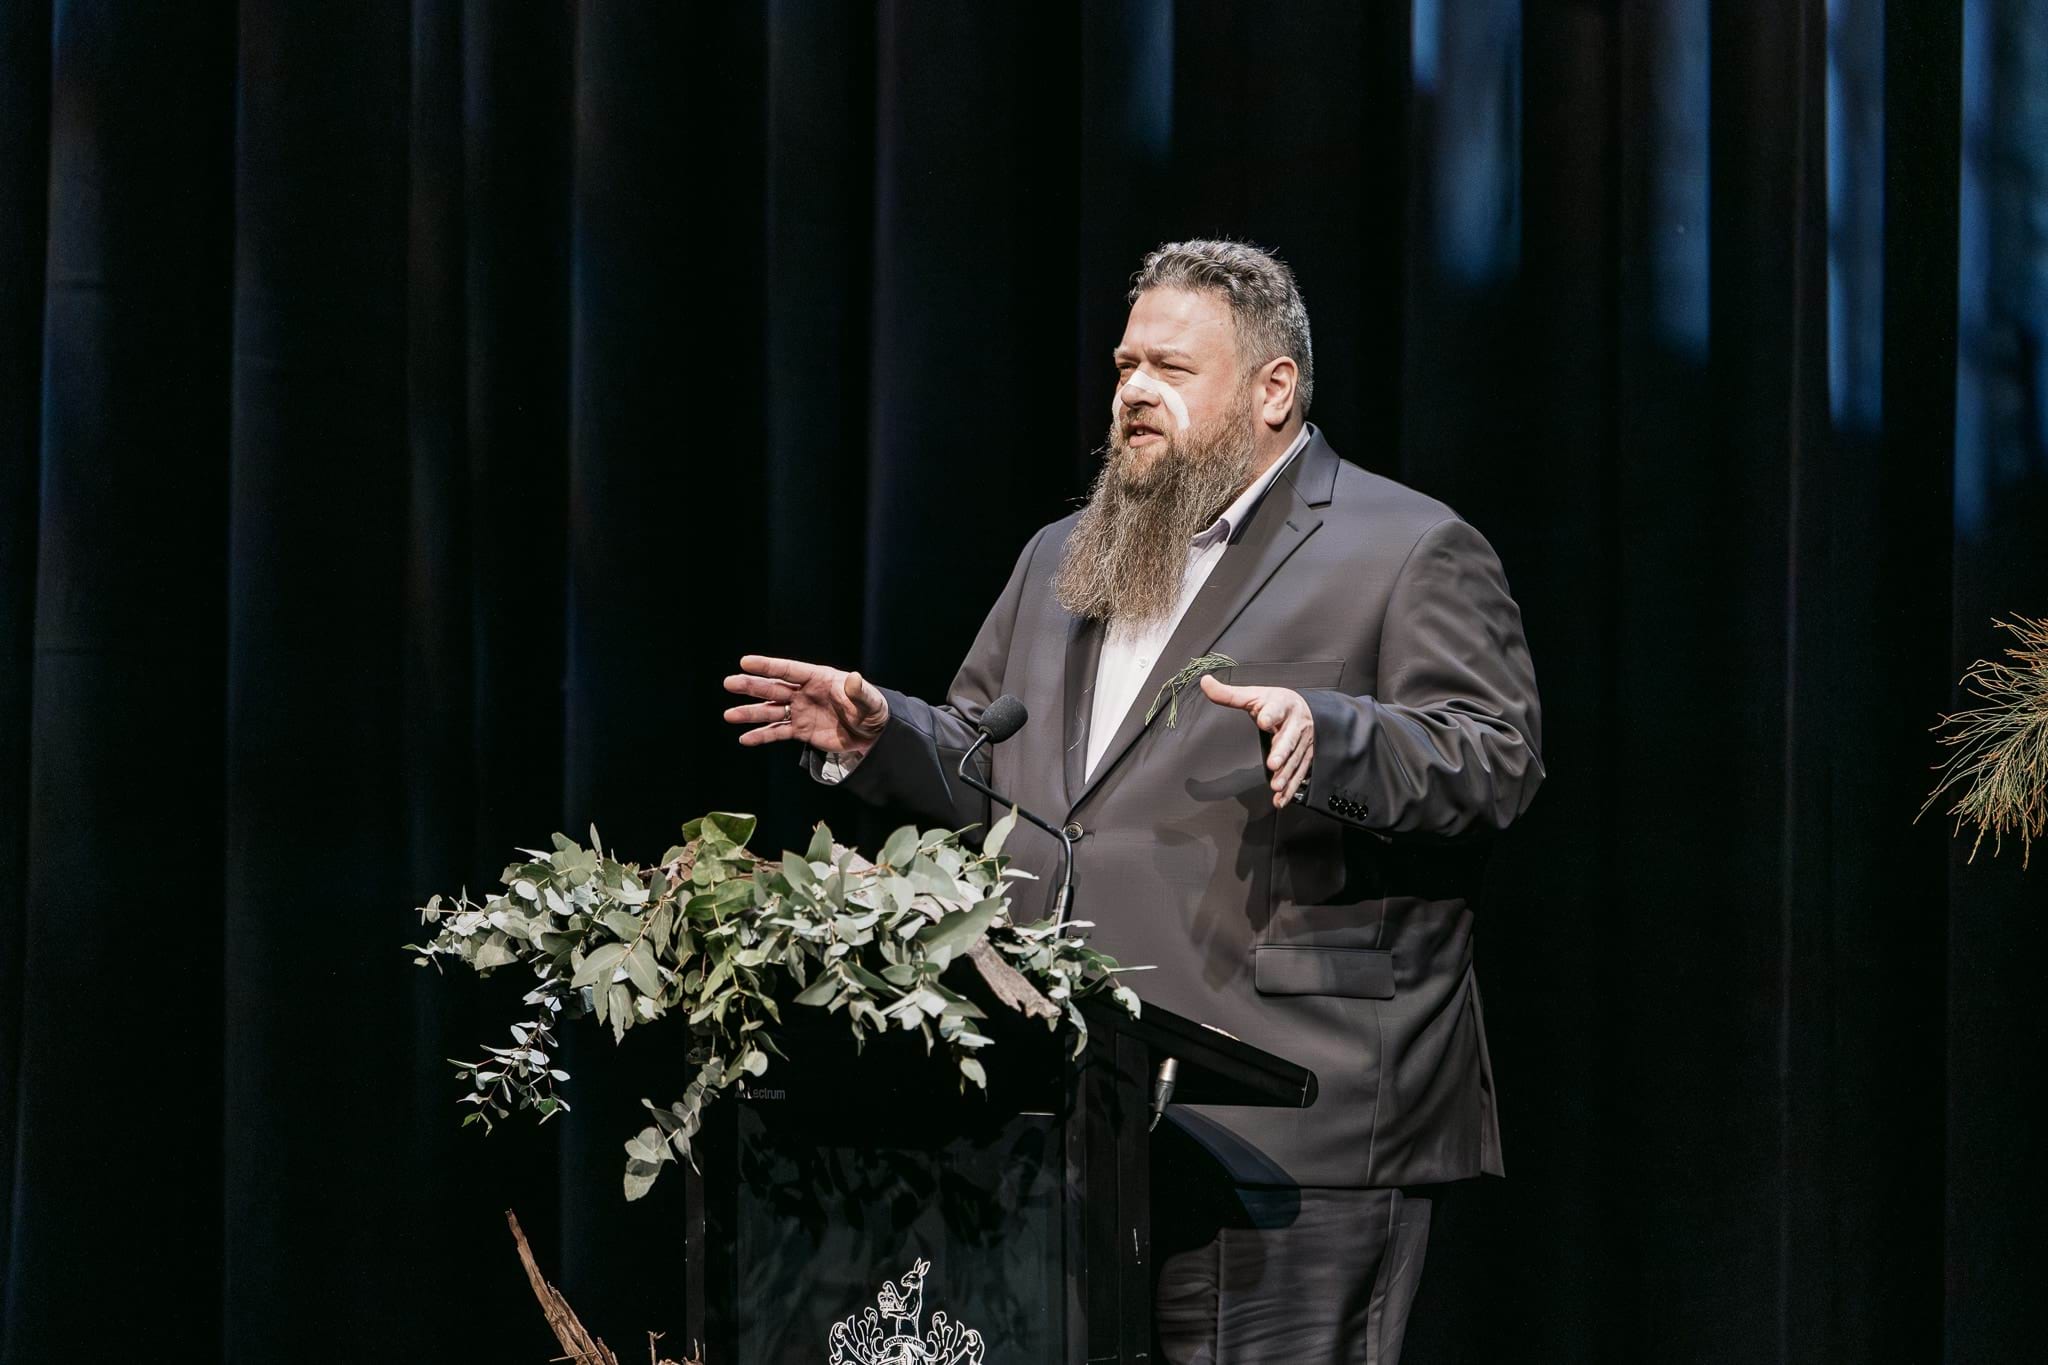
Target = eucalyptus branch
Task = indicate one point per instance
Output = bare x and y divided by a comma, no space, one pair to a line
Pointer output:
725,938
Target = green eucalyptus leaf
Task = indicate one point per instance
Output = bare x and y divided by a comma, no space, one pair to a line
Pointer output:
959,1006
958,930
867,979
661,927
598,966
999,833
898,850
819,992
643,973
496,951
927,877
640,1178
736,829
650,1145
798,871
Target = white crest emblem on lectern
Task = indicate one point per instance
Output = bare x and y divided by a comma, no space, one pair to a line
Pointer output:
887,1334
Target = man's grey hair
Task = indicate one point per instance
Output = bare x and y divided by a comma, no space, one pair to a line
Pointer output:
1264,302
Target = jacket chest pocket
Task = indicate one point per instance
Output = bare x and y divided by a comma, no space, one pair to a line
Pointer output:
1294,673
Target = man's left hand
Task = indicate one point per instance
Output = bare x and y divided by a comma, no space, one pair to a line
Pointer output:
1281,713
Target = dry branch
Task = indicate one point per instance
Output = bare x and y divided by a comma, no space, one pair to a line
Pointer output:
579,1345
1011,986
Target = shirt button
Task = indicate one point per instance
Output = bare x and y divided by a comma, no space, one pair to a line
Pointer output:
1073,829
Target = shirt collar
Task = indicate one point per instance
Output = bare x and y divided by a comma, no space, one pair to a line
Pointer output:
1234,516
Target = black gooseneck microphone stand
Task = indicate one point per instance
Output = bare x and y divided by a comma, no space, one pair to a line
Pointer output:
1066,893
1004,717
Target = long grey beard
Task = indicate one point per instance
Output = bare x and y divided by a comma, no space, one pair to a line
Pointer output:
1127,555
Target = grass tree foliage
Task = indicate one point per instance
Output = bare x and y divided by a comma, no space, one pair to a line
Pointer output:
1998,760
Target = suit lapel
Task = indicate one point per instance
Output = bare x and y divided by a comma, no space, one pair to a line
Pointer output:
1077,702
1284,518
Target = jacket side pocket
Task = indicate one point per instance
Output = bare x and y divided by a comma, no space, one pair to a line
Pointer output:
1357,973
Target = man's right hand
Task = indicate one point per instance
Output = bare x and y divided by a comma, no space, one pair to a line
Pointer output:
826,708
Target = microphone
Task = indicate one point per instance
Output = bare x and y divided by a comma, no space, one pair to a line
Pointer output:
1004,717
1162,1088
1000,719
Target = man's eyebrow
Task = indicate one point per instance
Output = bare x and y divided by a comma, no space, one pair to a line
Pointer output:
1120,352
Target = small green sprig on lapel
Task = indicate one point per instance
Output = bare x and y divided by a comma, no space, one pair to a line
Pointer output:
1170,690
725,939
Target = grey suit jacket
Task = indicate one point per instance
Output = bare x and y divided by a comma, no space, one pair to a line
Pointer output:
1337,933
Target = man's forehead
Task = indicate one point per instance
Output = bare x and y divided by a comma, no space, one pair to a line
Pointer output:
1165,320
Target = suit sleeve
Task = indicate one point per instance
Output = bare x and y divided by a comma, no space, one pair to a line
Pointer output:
1450,743
915,761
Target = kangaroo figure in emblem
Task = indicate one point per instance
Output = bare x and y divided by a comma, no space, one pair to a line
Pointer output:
905,1306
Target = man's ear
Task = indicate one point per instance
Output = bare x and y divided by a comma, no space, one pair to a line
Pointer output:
1276,391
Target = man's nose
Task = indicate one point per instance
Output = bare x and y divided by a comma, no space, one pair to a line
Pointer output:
1137,391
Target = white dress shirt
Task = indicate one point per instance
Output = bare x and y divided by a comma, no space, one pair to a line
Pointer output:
1130,651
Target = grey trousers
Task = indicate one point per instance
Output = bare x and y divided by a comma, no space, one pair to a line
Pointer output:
1260,1276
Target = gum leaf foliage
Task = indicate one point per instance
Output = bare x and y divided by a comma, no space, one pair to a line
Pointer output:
725,940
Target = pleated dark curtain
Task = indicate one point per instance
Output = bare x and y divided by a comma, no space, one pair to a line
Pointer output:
409,412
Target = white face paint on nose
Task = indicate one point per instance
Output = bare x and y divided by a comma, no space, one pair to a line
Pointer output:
1143,382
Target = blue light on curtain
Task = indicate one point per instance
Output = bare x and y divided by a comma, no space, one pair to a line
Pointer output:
1468,60
1144,116
1426,44
2002,268
1679,174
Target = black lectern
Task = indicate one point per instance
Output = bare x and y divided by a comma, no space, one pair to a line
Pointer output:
858,1209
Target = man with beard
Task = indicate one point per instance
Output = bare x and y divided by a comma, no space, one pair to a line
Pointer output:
1297,858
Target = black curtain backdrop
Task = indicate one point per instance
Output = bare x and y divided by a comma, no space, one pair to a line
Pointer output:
408,413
